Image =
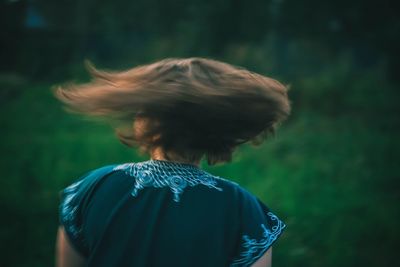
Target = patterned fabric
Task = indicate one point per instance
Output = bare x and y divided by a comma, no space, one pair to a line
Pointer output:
73,198
176,176
143,214
253,248
69,209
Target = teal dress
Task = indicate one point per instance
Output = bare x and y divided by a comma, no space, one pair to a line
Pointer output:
164,213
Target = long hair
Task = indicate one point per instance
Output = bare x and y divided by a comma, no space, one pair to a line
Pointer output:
194,107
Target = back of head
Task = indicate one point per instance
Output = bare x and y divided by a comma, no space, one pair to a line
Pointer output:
193,107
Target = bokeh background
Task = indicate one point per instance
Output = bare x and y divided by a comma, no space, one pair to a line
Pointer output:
330,172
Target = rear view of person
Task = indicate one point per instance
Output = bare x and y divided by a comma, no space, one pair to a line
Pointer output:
167,211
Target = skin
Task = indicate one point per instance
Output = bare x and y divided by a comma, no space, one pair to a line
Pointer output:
265,260
67,256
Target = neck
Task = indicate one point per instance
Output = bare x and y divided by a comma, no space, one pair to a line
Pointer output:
158,154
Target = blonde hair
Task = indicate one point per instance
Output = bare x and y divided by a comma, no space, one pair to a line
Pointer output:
195,106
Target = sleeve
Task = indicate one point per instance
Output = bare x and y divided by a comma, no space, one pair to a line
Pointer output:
70,214
260,228
74,199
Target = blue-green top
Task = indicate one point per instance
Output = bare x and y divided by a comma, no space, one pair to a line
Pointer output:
164,213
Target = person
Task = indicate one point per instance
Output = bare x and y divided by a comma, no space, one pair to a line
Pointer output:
167,211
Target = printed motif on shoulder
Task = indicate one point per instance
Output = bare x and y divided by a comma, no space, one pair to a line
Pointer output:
254,249
176,176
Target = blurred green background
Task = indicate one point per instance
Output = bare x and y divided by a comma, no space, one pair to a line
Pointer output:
330,171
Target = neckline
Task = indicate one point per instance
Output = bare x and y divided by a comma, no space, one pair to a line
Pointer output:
168,163
163,173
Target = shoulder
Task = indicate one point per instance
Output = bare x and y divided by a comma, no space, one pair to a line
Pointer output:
240,192
100,172
73,200
76,189
74,194
259,228
91,176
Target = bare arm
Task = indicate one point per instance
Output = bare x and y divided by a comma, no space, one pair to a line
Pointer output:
66,255
265,260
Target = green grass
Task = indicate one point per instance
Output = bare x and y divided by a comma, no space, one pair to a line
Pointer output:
331,178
